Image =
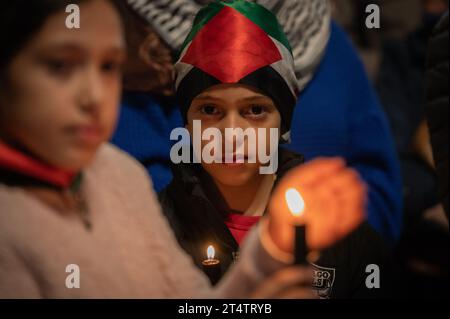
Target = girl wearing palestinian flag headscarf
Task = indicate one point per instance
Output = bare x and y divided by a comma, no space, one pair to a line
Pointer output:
236,71
78,218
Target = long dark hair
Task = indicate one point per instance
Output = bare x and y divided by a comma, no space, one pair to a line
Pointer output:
21,19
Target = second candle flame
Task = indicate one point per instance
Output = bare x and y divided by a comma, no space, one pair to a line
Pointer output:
210,252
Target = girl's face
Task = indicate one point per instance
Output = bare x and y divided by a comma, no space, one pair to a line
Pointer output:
61,93
234,106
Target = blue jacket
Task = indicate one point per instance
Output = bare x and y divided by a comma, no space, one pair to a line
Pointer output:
143,131
338,114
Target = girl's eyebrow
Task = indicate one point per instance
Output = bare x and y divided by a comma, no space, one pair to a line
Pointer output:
256,98
117,52
75,48
207,97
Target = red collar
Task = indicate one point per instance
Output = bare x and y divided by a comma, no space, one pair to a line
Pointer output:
18,162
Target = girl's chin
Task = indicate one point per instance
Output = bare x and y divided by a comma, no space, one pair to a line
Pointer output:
74,163
236,181
233,175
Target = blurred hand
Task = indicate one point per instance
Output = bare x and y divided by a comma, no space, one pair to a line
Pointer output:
335,202
290,283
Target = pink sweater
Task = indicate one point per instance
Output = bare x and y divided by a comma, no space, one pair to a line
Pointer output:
129,253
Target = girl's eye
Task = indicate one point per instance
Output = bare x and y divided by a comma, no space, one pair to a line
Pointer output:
209,110
256,111
111,67
60,67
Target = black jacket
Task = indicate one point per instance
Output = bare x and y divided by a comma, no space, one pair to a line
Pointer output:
437,103
196,212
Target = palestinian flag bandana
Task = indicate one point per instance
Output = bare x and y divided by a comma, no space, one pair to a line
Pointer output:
238,42
305,22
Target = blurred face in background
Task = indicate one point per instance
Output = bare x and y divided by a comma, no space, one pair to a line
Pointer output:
59,97
435,6
149,67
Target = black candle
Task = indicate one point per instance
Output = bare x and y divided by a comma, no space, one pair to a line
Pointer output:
301,249
212,267
296,205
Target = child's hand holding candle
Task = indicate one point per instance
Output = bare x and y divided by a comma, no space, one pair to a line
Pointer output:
333,201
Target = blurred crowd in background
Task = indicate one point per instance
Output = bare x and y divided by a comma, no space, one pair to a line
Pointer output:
395,60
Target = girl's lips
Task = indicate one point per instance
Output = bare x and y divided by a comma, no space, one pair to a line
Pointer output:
233,164
87,134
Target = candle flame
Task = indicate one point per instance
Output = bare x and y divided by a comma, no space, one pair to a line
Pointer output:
295,202
210,252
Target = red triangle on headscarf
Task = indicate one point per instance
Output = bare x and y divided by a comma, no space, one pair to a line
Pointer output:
230,47
15,161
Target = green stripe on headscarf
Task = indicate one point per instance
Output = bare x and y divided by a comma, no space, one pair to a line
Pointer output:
265,19
259,15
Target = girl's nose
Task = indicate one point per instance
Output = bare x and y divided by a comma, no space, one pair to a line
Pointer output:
92,92
232,126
